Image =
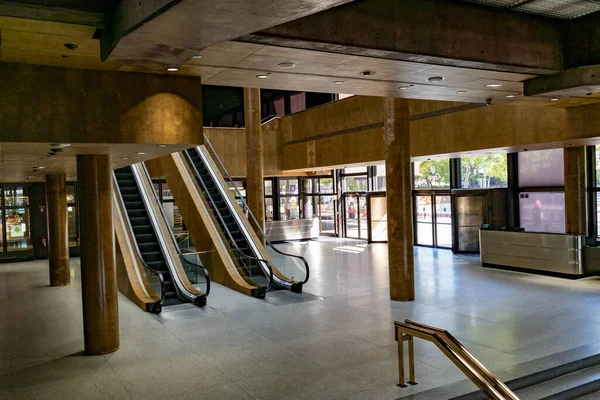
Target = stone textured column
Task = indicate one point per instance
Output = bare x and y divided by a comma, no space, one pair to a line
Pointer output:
255,189
58,235
399,199
98,265
575,190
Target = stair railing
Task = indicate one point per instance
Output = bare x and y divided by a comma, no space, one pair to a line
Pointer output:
237,251
230,180
486,380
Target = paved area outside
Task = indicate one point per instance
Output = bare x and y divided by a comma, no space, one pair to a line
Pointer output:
333,342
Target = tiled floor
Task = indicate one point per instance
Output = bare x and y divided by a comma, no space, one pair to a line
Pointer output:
334,342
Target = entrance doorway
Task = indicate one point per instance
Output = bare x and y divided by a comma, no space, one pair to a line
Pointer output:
355,216
470,215
433,219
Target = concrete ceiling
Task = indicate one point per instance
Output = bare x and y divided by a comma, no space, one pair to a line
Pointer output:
238,64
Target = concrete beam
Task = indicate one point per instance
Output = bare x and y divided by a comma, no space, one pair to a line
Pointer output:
429,31
576,82
54,14
169,32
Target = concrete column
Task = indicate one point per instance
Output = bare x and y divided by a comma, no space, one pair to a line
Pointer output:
58,236
575,190
255,189
399,200
98,265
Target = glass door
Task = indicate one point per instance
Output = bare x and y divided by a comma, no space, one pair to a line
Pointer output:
327,215
356,216
424,220
470,215
443,221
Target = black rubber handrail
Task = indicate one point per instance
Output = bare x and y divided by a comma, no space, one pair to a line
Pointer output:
162,211
137,249
251,215
233,243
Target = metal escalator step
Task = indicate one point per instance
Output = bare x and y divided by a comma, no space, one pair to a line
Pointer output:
157,265
136,213
146,238
152,256
139,221
134,205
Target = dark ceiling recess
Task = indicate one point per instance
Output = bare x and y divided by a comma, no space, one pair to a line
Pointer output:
79,5
561,9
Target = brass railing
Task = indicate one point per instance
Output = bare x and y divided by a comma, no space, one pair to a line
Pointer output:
485,380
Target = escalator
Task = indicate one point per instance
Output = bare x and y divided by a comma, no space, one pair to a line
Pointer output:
154,243
246,245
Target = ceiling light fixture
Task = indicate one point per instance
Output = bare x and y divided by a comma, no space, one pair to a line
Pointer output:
403,87
338,82
140,153
554,99
161,145
71,46
286,65
262,76
40,167
494,85
197,57
461,91
435,79
510,96
172,69
60,144
367,73
124,158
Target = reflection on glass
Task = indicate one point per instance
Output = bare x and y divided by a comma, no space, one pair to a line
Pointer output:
289,208
18,235
379,177
487,171
542,211
72,225
308,185
424,220
309,210
378,218
443,221
541,168
15,195
70,194
269,209
431,174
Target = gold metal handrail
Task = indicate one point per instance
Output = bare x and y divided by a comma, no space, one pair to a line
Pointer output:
486,380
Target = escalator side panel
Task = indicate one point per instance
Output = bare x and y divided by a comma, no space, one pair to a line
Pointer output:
200,223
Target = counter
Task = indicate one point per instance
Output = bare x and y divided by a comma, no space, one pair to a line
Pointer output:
546,253
294,229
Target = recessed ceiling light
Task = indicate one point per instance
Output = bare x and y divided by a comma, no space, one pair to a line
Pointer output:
124,158
436,79
403,87
161,145
40,167
367,73
140,153
461,91
197,57
262,76
60,144
338,82
494,85
510,96
554,99
286,65
172,69
71,46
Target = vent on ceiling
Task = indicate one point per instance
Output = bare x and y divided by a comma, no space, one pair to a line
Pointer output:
563,9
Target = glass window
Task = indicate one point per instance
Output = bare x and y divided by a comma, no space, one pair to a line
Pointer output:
72,225
355,170
166,192
308,185
431,174
18,235
16,195
325,185
268,187
484,172
289,207
269,209
542,211
541,168
355,183
240,188
288,186
597,165
71,194
379,177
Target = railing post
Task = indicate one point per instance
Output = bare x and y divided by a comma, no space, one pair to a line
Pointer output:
401,338
411,360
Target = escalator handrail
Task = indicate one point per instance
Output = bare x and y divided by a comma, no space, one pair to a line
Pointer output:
215,208
162,211
258,226
161,278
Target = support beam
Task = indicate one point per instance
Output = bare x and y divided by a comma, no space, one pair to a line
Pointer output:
575,190
255,189
98,265
54,14
58,236
399,199
170,32
458,34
